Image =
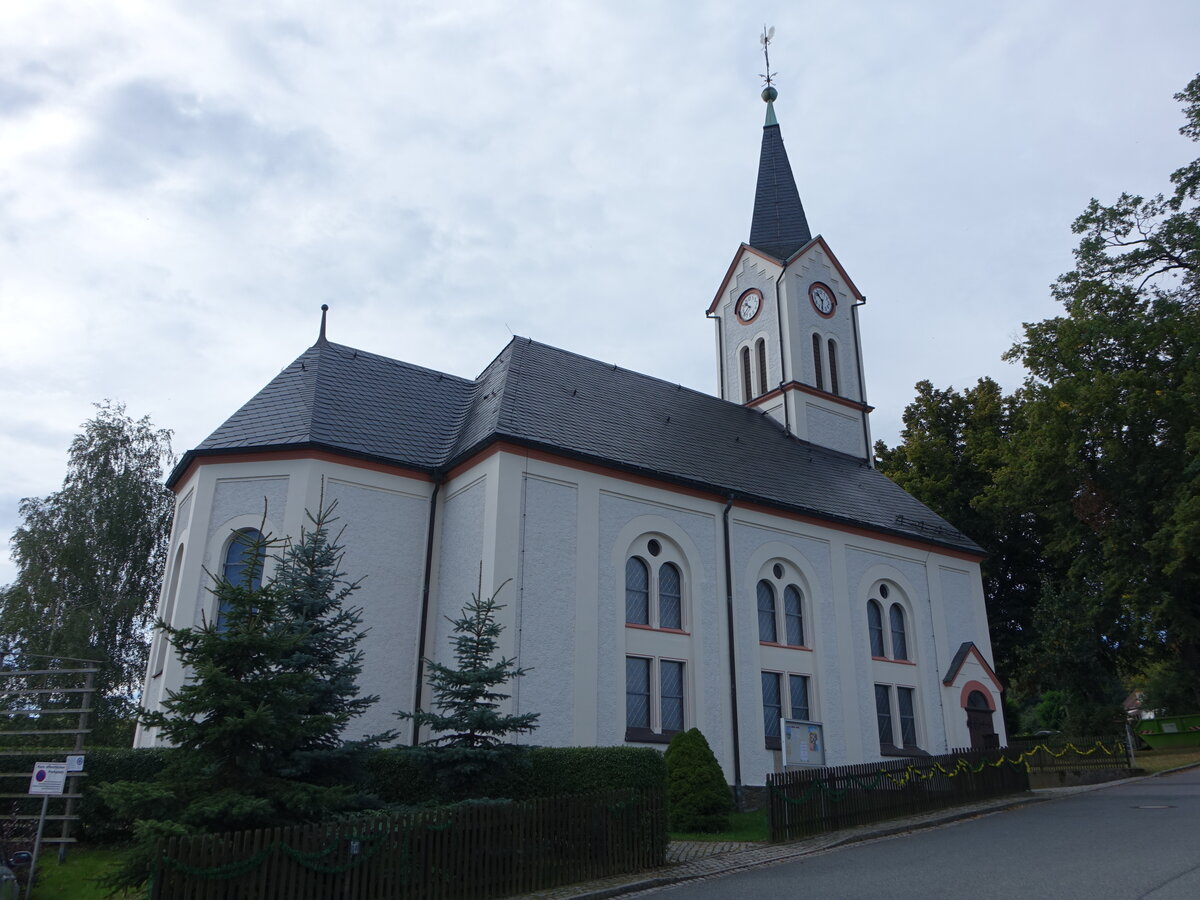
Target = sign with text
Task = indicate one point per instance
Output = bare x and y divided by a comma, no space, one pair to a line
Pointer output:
75,763
48,778
803,743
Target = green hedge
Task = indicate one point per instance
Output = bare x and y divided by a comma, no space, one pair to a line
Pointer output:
398,777
393,775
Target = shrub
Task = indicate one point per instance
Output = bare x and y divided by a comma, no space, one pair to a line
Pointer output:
399,776
698,799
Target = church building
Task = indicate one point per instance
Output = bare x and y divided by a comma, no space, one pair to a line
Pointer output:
667,559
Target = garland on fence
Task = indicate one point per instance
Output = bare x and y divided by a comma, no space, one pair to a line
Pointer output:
310,861
912,772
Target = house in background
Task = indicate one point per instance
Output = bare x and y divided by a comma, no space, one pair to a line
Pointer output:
673,559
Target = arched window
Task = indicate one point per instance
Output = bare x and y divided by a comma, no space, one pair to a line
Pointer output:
875,626
819,375
767,630
747,387
670,597
168,615
244,559
637,592
833,366
793,615
243,567
760,349
899,642
655,585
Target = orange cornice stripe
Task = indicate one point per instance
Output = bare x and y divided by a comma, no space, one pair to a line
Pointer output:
502,446
818,241
807,389
745,248
558,459
983,662
274,455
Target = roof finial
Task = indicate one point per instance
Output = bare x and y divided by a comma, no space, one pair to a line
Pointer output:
769,93
324,311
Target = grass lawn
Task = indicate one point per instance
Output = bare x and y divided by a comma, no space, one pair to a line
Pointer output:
74,879
1161,760
747,826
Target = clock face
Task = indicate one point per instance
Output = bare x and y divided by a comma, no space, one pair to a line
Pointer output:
822,299
748,305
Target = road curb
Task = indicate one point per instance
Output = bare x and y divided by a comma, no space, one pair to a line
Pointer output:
739,860
813,846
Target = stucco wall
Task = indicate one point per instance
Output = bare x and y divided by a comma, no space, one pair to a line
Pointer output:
547,605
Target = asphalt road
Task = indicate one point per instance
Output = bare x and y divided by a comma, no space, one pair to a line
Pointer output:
1140,839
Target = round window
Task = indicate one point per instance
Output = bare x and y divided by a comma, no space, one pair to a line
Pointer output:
654,547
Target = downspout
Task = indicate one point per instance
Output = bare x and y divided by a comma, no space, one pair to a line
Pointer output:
733,704
720,354
787,419
437,486
862,384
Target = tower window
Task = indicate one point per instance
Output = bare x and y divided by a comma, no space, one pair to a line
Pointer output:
747,387
760,348
243,565
819,375
833,367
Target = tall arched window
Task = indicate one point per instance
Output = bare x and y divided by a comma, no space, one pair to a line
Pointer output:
818,373
637,591
767,630
747,387
899,642
655,585
760,349
243,566
793,616
833,367
168,615
875,626
670,597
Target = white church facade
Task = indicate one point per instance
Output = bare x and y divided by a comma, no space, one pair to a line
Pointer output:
669,559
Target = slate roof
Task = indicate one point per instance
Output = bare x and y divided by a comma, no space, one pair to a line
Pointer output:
344,400
779,227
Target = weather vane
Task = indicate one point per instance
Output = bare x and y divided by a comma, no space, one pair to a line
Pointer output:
765,40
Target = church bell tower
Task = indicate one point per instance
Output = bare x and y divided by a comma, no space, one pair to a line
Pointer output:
787,316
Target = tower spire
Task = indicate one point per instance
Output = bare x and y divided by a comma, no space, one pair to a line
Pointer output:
779,226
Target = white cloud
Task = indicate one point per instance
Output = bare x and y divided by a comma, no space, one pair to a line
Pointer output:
182,186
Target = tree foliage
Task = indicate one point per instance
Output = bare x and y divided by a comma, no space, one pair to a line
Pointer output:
953,447
259,723
698,798
90,560
469,728
1085,484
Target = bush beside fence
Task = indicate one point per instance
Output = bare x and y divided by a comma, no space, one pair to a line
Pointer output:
806,802
475,849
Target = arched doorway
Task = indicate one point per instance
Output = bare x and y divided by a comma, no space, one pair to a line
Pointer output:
979,721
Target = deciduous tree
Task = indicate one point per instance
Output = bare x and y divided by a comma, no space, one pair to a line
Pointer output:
90,561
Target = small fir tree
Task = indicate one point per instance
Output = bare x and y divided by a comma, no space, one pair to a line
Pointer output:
698,799
259,723
469,727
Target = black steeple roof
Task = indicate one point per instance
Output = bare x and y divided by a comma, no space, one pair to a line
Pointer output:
344,400
779,227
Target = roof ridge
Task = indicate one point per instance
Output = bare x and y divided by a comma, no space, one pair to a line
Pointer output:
392,361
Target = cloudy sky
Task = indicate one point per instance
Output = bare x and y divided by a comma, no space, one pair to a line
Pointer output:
182,185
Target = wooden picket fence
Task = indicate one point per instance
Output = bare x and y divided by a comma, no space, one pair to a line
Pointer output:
813,801
1056,754
491,849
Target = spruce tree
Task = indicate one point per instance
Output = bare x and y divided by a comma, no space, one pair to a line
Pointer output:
259,722
469,728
